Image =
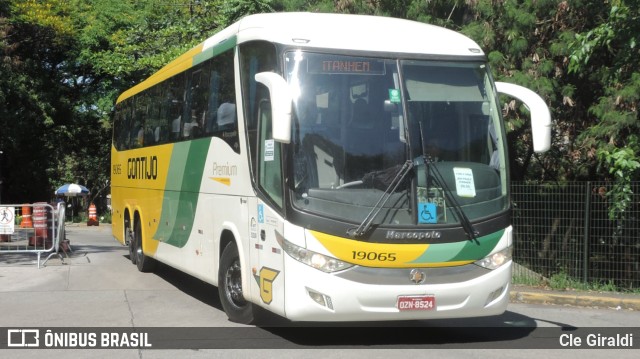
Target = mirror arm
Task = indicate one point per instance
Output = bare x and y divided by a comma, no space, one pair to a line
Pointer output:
540,115
280,104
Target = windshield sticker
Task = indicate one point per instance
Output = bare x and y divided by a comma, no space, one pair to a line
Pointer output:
431,205
427,213
394,96
465,186
269,147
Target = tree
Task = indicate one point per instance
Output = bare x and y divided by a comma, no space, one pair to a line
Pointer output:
34,42
233,10
606,56
64,62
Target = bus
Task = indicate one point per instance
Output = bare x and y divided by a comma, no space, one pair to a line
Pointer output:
324,167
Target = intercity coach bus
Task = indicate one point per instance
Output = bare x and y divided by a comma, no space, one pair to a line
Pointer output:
324,167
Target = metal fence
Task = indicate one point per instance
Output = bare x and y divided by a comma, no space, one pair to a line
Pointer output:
563,229
31,228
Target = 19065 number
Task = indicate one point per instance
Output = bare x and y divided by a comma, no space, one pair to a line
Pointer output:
374,256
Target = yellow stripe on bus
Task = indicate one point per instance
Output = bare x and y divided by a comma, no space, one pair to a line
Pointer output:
381,255
371,254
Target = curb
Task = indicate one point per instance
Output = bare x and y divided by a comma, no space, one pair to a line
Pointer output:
580,299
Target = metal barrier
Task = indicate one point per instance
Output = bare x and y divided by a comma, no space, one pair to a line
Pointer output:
32,228
563,233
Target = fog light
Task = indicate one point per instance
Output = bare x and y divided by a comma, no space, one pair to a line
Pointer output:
493,296
323,300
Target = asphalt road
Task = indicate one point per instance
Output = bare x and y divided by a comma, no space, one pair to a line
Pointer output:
97,289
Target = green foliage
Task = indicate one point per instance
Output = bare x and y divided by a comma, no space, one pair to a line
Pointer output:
562,281
604,37
52,14
606,56
233,10
64,62
526,280
623,164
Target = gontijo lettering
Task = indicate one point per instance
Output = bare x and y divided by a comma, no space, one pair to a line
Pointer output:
142,167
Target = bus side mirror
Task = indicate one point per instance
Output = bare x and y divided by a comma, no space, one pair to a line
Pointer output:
540,115
280,105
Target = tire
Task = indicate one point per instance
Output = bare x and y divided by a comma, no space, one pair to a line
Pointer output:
230,287
128,234
145,264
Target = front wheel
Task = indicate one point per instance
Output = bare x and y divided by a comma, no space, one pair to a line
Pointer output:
230,287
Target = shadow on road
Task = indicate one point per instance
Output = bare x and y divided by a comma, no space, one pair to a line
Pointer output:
508,330
194,287
474,331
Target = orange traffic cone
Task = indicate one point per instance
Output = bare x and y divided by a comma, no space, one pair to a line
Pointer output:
40,223
93,216
27,222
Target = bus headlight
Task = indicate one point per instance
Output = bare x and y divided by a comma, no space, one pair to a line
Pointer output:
312,259
497,259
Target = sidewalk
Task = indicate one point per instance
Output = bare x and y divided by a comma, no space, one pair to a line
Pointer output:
618,301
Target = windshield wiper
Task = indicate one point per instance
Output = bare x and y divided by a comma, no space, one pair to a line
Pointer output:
450,198
393,185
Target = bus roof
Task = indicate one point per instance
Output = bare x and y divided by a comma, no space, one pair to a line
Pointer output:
327,31
355,32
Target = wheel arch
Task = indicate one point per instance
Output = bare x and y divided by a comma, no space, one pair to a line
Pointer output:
230,234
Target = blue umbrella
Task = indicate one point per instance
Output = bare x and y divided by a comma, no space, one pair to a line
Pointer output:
72,190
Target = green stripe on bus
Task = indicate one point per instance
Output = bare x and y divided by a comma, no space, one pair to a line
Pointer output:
182,191
215,50
461,251
171,197
477,250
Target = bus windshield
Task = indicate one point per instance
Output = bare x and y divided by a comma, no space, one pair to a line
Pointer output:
358,120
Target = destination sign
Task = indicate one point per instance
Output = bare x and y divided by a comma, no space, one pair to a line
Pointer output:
322,64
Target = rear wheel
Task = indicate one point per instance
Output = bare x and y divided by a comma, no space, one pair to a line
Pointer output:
230,287
144,263
129,238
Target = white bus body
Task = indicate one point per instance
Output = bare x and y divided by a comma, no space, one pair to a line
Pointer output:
324,167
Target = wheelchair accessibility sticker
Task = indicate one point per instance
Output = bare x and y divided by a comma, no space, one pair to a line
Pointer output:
427,213
260,213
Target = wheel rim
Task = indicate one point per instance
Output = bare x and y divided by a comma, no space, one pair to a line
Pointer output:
137,240
233,285
131,243
138,254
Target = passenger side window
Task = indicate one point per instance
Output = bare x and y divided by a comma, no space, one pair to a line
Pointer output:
256,57
270,166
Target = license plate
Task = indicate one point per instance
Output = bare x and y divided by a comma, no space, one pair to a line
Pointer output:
416,302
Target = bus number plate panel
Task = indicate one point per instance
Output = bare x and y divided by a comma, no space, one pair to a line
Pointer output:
416,302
